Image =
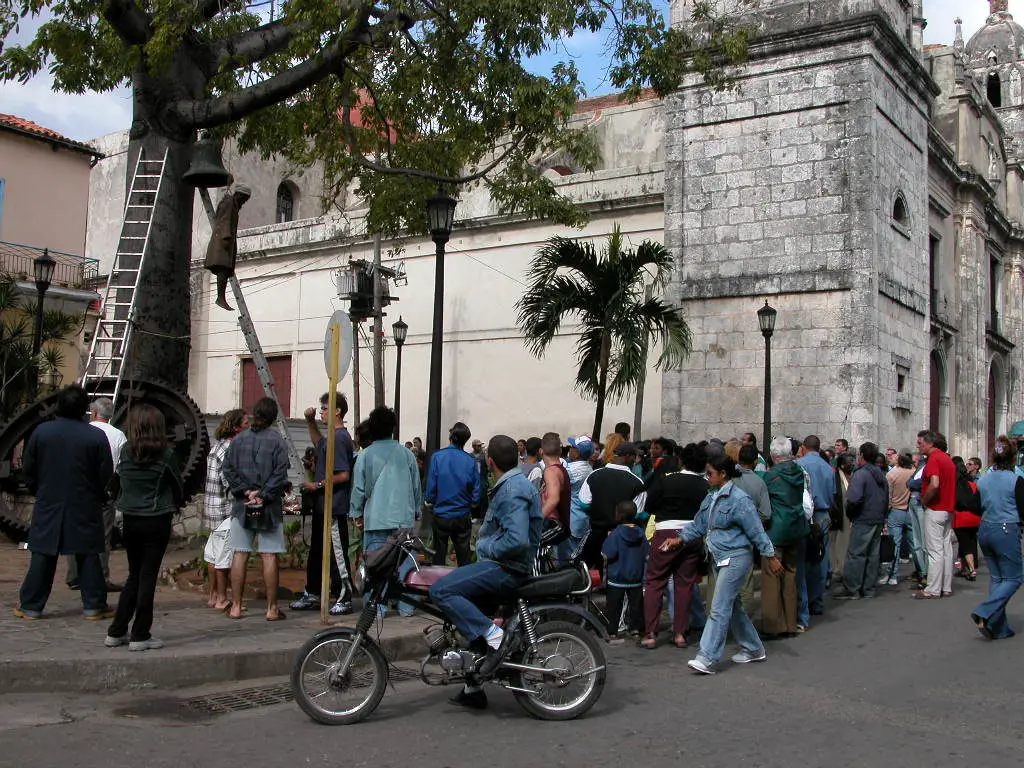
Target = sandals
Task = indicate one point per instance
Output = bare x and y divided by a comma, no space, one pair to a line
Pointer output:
921,595
280,616
649,643
679,641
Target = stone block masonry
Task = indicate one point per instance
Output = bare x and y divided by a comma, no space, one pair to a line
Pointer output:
783,188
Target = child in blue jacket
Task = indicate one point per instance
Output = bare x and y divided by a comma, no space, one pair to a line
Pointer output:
625,552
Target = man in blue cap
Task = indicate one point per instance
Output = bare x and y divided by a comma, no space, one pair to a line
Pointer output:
579,468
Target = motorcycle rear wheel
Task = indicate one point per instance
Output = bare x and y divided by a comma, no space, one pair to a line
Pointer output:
565,646
334,699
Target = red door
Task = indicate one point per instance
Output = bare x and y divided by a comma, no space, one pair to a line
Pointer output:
252,389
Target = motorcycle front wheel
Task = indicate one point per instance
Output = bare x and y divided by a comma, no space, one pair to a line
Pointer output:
328,696
577,655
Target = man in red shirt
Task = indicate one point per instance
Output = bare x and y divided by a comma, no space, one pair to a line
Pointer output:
938,497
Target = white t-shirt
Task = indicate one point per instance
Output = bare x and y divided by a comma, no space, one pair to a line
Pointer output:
115,438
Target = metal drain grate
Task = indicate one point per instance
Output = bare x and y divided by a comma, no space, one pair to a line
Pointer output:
247,698
268,695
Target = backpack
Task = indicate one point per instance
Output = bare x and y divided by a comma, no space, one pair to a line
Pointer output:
788,521
967,497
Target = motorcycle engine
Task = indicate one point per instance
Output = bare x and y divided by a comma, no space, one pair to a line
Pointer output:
454,662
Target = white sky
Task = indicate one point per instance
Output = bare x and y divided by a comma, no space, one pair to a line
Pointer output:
86,116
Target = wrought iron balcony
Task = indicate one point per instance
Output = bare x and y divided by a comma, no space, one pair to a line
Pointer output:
71,271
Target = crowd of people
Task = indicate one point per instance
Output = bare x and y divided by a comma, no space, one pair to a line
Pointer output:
652,520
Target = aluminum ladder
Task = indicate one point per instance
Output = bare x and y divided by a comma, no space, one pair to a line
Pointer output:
112,340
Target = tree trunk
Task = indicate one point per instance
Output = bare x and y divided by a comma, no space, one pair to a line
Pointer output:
162,333
602,385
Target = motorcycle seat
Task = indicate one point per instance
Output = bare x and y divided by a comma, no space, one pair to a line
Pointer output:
426,576
557,584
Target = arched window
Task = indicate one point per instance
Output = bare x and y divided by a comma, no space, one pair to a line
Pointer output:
995,90
899,210
287,198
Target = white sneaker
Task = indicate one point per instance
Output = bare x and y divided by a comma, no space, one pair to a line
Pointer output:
893,582
698,664
114,642
745,657
145,645
882,581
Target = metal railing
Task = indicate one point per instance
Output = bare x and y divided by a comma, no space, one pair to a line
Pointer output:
70,271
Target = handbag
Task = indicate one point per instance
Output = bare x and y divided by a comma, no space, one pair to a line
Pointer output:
257,518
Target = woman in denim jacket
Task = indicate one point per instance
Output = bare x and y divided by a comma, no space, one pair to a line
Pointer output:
732,527
1002,499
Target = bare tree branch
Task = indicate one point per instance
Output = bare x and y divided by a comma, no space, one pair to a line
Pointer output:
208,113
254,44
129,21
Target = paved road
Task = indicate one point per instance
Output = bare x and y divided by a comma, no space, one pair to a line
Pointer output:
890,681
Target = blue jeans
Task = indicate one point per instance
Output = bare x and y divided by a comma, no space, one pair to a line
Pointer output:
1000,544
803,611
899,527
459,593
375,540
727,612
918,554
817,573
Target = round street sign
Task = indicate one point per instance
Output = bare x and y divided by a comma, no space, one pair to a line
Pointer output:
339,319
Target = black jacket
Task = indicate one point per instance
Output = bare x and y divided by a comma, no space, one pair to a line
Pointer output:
867,498
67,466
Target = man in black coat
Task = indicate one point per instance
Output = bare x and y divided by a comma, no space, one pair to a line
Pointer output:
67,466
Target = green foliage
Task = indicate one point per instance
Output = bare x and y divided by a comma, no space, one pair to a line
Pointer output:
17,328
296,550
394,97
610,294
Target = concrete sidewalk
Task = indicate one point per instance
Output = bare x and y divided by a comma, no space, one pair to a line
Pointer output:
62,652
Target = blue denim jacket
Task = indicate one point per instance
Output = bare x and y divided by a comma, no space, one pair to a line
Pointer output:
510,533
453,483
730,523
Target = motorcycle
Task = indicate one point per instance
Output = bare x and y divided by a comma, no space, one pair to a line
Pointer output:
554,668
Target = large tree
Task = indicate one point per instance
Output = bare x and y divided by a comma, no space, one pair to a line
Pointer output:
611,295
393,96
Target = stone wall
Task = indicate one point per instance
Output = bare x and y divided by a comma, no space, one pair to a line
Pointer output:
784,189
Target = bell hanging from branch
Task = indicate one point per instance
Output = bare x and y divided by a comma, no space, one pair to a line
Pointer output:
207,168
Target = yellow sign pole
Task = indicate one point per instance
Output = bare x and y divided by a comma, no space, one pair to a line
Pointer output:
332,405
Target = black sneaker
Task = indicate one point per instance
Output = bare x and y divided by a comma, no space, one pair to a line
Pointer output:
474,700
494,656
846,596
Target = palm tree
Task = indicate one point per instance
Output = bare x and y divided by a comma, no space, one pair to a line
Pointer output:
16,332
607,294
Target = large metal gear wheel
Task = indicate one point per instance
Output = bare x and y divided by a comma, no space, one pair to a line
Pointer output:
185,425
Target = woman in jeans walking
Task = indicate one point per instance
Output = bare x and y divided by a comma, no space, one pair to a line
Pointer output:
151,491
1002,502
732,528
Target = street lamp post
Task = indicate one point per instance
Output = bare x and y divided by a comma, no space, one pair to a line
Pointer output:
766,319
399,329
42,267
440,215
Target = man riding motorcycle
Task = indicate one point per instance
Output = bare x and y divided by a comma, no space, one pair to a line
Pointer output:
506,549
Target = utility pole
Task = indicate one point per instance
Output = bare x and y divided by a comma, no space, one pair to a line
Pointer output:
378,326
355,371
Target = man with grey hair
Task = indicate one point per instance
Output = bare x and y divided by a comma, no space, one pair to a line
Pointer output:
100,412
823,488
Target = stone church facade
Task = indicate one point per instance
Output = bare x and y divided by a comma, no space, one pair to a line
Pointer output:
871,190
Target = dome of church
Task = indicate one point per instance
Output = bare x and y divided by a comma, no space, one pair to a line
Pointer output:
1001,36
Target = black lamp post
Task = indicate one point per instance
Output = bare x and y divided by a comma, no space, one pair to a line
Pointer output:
399,330
766,319
42,267
440,215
